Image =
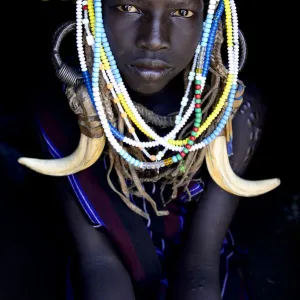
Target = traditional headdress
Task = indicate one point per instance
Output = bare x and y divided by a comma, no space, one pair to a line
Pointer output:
201,129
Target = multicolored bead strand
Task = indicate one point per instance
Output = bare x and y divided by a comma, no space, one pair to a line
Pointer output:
128,104
185,117
110,131
204,43
161,153
208,22
198,109
121,98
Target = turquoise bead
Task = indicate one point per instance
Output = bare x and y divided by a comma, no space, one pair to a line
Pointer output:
175,159
179,157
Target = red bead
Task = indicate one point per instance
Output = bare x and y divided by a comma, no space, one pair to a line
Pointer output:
198,105
198,96
188,146
198,87
195,129
192,138
182,154
85,7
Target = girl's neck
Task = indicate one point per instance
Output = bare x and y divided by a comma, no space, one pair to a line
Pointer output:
165,101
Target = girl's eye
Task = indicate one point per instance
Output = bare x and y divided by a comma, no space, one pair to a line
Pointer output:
184,13
128,8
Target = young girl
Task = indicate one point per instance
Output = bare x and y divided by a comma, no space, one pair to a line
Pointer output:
149,192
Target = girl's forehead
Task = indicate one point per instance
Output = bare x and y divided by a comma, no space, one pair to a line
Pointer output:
156,3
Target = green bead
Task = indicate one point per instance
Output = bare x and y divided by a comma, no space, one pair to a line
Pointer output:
197,92
194,133
198,120
185,150
198,101
196,124
179,157
199,115
198,110
198,81
190,142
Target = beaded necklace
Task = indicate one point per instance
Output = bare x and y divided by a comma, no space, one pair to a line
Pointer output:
105,62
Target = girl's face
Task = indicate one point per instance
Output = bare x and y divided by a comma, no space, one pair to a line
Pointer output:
152,40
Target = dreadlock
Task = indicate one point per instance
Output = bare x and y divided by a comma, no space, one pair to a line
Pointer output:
180,176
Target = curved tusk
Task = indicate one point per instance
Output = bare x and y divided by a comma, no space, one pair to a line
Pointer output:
94,150
220,170
59,167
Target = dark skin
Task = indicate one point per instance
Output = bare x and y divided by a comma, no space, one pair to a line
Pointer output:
153,30
169,31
